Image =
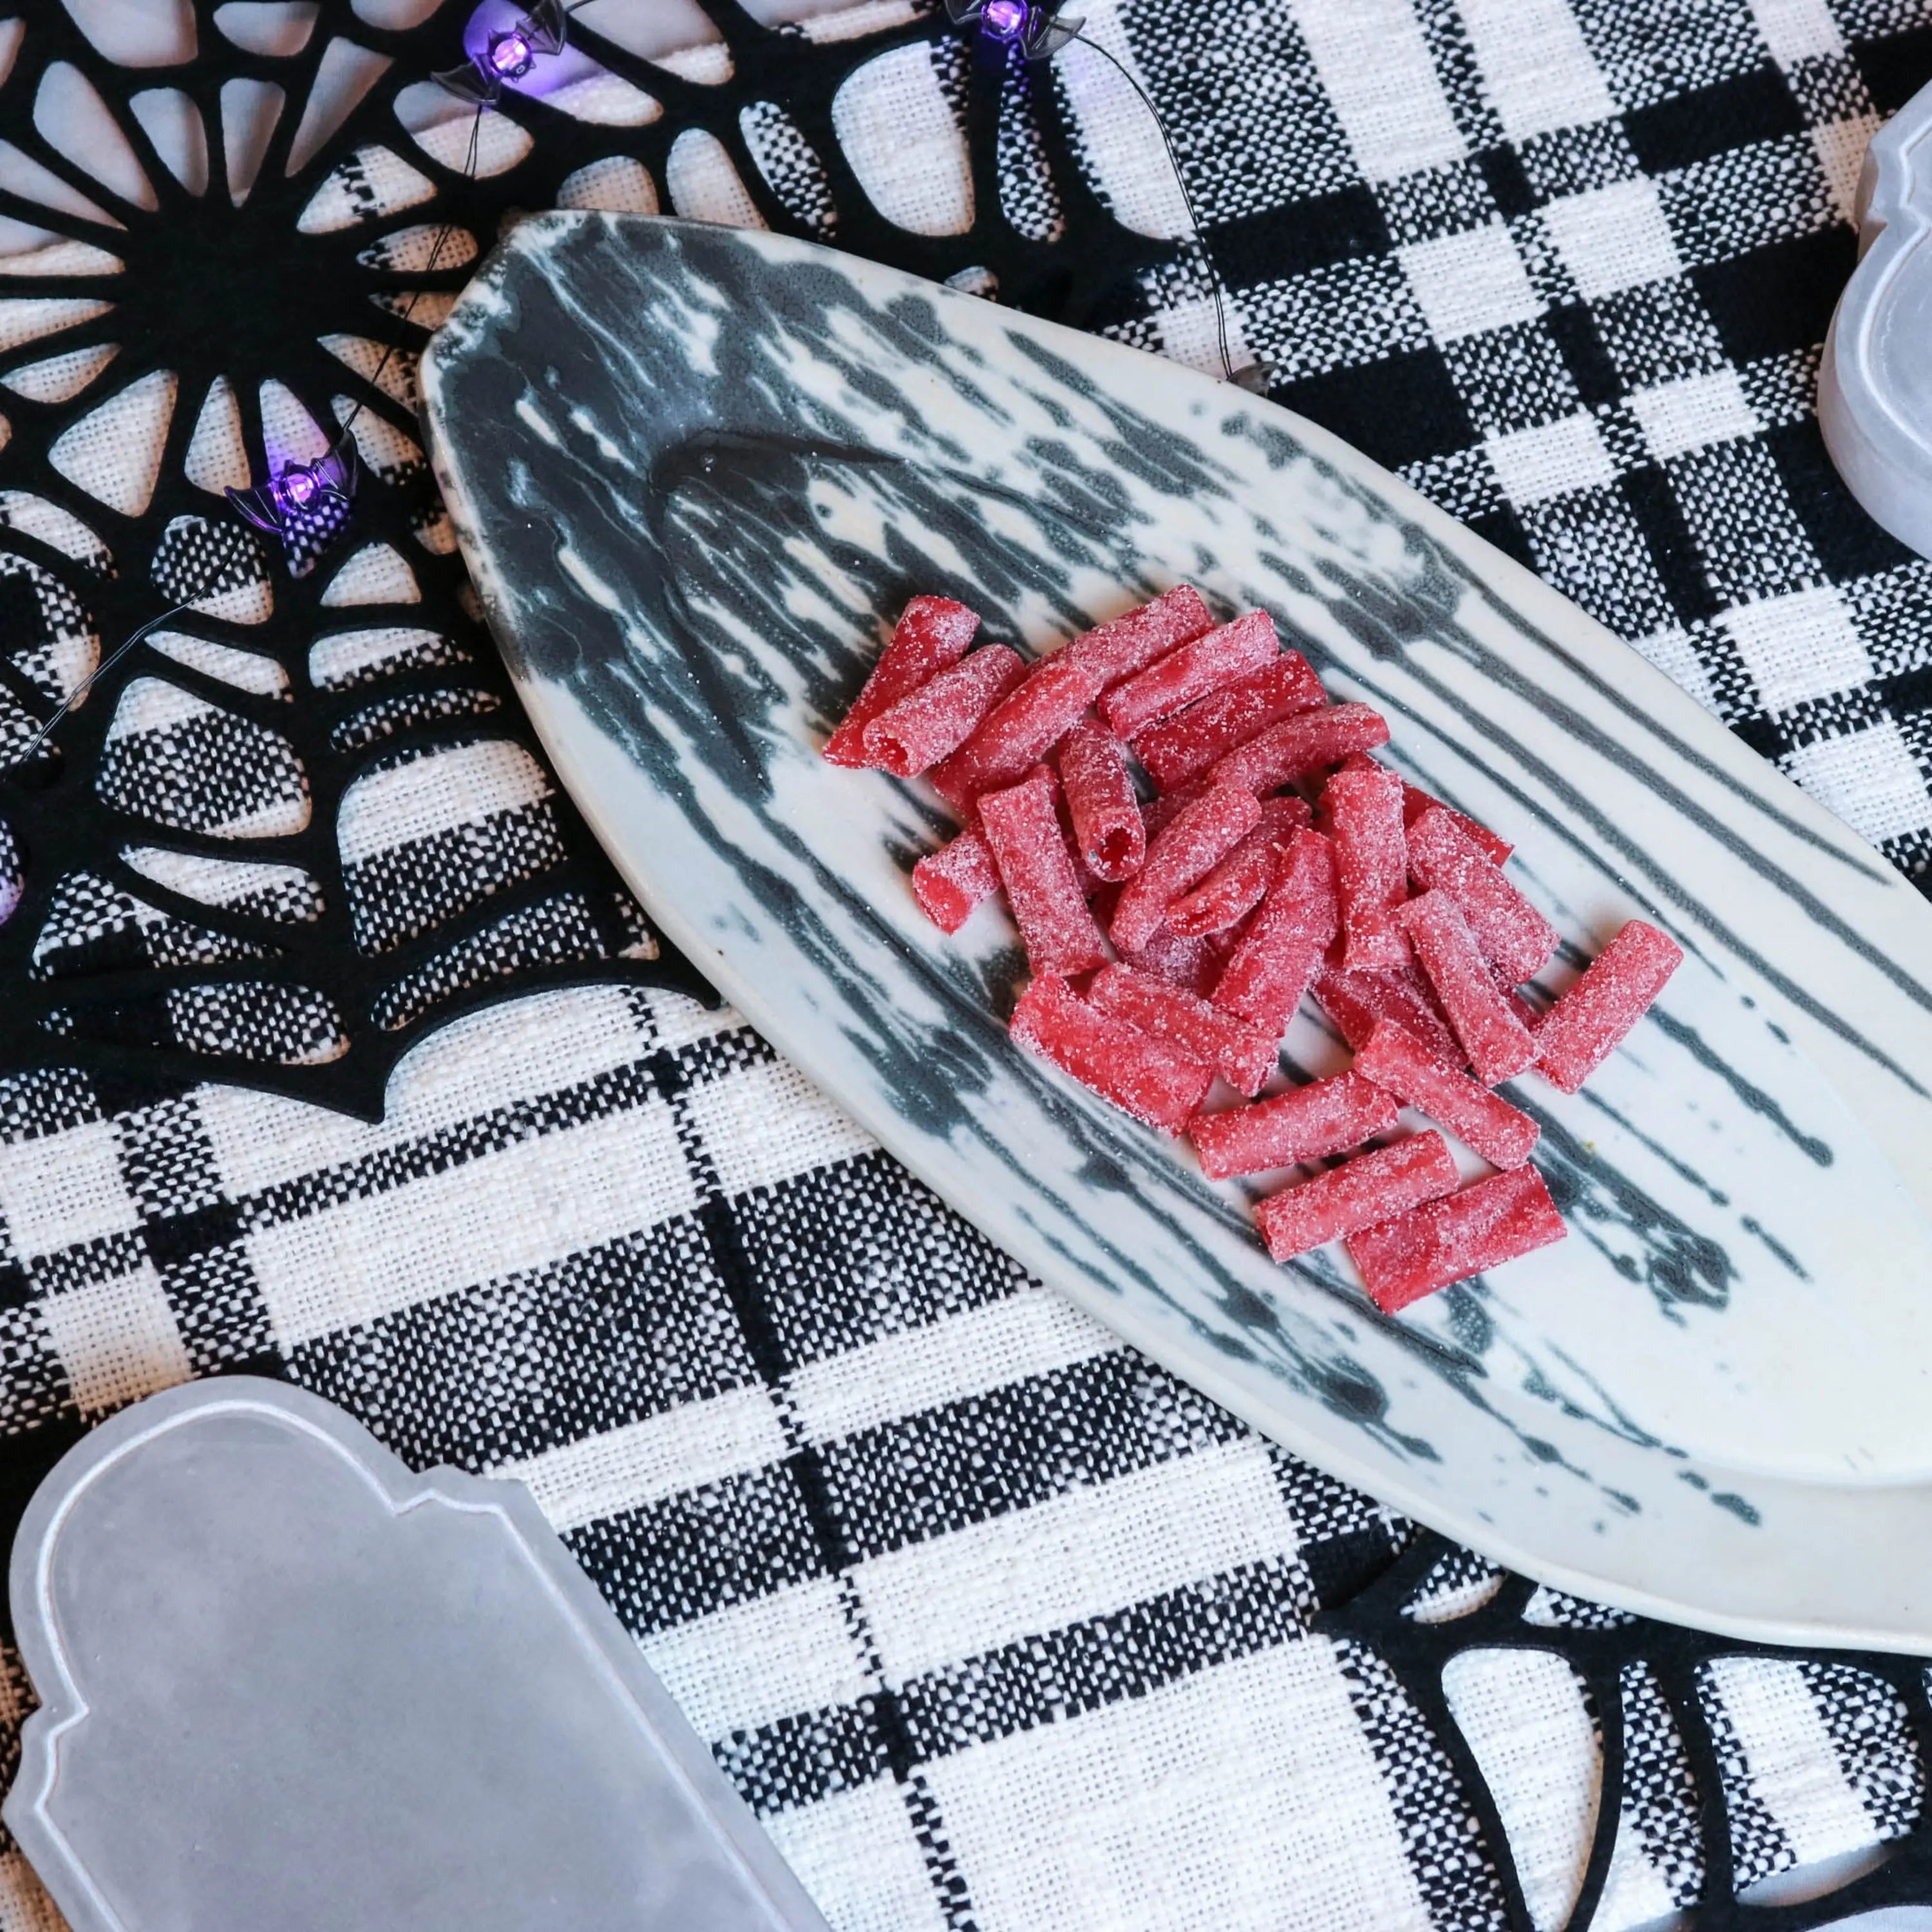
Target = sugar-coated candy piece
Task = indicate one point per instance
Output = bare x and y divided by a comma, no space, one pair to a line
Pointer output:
1109,834
932,633
1358,1002
1415,803
1124,645
1301,746
1179,748
1191,964
1305,1123
1145,1077
1243,1056
1021,824
949,882
1498,1043
1581,1030
1182,854
1192,670
1373,1187
1515,937
1281,952
1237,884
944,712
1017,732
1478,1227
1363,808
1398,1061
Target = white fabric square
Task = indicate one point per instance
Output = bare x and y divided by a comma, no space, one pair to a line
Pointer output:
1790,1758
1120,1818
766,1123
522,1206
64,1188
1797,647
1523,1713
1569,454
1674,654
997,1582
653,1457
1470,282
1840,148
1538,69
1376,70
1870,778
1613,238
117,1339
1030,1333
1694,411
762,1660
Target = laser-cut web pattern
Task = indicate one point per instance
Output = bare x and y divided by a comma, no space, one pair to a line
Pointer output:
305,821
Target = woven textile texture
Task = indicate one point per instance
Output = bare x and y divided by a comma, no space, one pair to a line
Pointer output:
998,1626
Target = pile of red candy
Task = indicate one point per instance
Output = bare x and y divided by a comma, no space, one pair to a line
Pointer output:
1171,942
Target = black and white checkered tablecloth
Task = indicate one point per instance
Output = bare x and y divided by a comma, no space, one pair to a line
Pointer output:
996,1625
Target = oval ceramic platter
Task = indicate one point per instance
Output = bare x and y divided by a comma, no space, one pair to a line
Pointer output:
697,470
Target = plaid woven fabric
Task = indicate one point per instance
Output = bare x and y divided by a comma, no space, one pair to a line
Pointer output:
997,1625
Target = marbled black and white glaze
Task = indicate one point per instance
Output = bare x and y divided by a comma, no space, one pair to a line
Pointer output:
695,471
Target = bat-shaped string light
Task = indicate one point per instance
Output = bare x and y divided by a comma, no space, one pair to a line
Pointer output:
1040,30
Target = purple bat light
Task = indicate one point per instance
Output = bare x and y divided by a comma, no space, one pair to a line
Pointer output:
1033,26
509,54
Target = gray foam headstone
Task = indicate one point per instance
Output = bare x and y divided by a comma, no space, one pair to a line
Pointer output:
1875,383
286,1683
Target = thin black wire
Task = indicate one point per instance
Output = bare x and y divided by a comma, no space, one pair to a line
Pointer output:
80,690
468,173
1079,38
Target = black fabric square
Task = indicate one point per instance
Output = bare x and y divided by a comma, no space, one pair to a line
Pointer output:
1401,409
1504,528
1895,66
1779,297
17,1286
1687,127
1508,181
1302,235
1848,542
178,1237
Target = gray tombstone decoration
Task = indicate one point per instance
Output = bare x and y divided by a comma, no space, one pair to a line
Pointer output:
285,1682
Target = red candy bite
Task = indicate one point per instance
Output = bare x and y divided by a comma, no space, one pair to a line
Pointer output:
1191,964
1022,827
1415,803
1363,808
1305,1123
1109,833
1178,747
1514,936
1118,649
949,882
1147,1077
943,713
1019,731
1579,1032
932,633
1192,670
1183,852
1371,1188
1401,1063
1357,1002
1243,1056
1236,886
1281,952
1480,1227
1498,1043
1301,746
